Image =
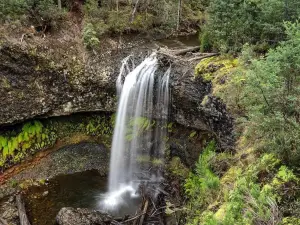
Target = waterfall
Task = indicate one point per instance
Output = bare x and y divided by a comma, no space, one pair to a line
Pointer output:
142,95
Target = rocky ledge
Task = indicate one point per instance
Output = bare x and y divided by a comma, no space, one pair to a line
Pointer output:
59,77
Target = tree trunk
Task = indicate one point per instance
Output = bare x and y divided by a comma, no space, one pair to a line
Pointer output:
179,13
59,4
134,10
22,212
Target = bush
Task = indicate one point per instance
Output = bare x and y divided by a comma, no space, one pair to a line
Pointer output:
205,42
201,187
90,38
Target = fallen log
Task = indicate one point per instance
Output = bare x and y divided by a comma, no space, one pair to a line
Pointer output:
21,210
186,50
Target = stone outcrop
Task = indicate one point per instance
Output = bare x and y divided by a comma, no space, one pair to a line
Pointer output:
50,80
80,216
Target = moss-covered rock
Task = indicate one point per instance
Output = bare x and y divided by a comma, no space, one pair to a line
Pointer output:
215,68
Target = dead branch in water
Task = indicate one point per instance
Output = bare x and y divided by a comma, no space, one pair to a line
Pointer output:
144,212
21,210
134,218
180,54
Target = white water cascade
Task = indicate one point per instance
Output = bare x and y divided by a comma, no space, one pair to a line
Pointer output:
143,95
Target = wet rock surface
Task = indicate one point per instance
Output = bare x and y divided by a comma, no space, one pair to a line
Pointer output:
70,159
71,216
193,106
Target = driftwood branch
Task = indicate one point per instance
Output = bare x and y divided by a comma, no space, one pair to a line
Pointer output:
133,218
186,50
144,212
21,210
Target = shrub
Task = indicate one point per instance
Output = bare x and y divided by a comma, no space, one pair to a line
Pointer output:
205,42
90,38
201,187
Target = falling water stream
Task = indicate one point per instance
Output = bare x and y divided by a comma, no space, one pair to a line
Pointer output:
143,95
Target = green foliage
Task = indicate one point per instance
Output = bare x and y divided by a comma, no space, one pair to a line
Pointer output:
35,12
239,197
201,187
177,168
192,134
266,92
284,175
33,136
13,8
97,126
205,42
159,16
271,99
90,38
140,125
234,23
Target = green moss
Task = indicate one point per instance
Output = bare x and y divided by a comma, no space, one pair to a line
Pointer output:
193,134
215,67
139,124
177,169
157,162
5,83
290,221
143,159
205,69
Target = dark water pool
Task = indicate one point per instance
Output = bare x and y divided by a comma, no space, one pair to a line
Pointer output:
79,190
181,42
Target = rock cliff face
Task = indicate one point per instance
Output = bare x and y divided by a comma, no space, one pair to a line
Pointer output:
58,77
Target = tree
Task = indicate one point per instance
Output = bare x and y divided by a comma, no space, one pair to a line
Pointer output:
178,13
233,23
59,4
272,98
